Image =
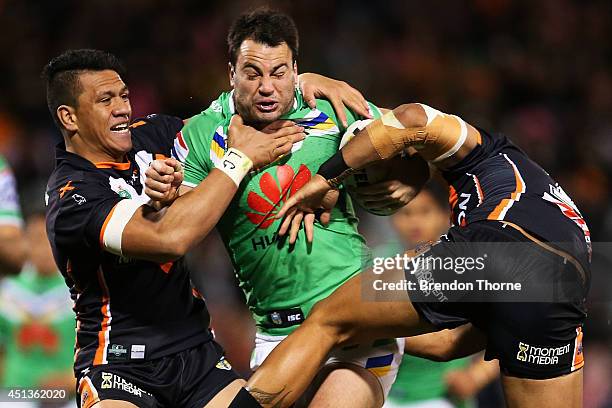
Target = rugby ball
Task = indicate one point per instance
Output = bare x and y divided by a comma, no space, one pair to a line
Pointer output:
372,174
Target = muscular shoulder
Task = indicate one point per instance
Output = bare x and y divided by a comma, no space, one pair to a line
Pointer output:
204,143
202,124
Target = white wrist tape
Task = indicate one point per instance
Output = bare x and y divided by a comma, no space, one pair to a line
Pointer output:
236,165
112,230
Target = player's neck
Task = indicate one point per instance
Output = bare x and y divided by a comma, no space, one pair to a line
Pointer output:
94,154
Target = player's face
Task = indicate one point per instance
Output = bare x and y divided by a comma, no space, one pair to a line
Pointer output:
422,220
264,81
103,114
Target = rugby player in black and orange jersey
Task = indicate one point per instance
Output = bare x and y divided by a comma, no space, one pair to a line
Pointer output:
143,335
498,196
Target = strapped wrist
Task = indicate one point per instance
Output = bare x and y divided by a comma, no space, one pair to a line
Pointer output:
335,170
236,165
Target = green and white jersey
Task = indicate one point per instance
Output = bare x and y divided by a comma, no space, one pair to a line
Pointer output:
10,214
36,328
281,282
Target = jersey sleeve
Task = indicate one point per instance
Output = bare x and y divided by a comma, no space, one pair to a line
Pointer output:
374,110
10,213
84,209
198,137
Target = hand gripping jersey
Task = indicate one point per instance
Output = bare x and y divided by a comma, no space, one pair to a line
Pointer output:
126,309
281,282
498,182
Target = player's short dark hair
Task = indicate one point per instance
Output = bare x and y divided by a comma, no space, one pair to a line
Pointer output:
61,75
265,26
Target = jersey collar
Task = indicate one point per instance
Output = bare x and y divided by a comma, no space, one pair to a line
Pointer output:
62,155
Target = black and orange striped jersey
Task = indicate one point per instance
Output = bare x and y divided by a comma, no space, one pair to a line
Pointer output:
126,309
497,181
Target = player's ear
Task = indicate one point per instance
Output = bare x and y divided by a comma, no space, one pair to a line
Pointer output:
295,71
231,72
67,117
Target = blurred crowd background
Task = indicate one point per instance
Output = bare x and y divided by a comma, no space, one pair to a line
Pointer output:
538,71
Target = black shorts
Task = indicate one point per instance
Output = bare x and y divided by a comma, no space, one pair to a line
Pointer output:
190,378
533,329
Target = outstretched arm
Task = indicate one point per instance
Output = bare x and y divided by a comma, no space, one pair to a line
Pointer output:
446,345
140,232
439,138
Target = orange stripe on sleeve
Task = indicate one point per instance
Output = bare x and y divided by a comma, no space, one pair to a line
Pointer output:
478,190
498,212
495,214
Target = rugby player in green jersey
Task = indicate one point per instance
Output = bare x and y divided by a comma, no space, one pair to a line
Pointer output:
282,280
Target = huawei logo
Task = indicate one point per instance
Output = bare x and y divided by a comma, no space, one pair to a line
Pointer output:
275,192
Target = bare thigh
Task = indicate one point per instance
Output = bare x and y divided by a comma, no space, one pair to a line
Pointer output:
226,395
564,391
341,385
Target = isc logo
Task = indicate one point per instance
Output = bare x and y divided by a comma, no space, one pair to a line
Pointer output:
294,318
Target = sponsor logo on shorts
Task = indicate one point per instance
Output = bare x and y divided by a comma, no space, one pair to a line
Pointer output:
541,355
106,381
522,354
117,350
223,364
137,351
110,380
